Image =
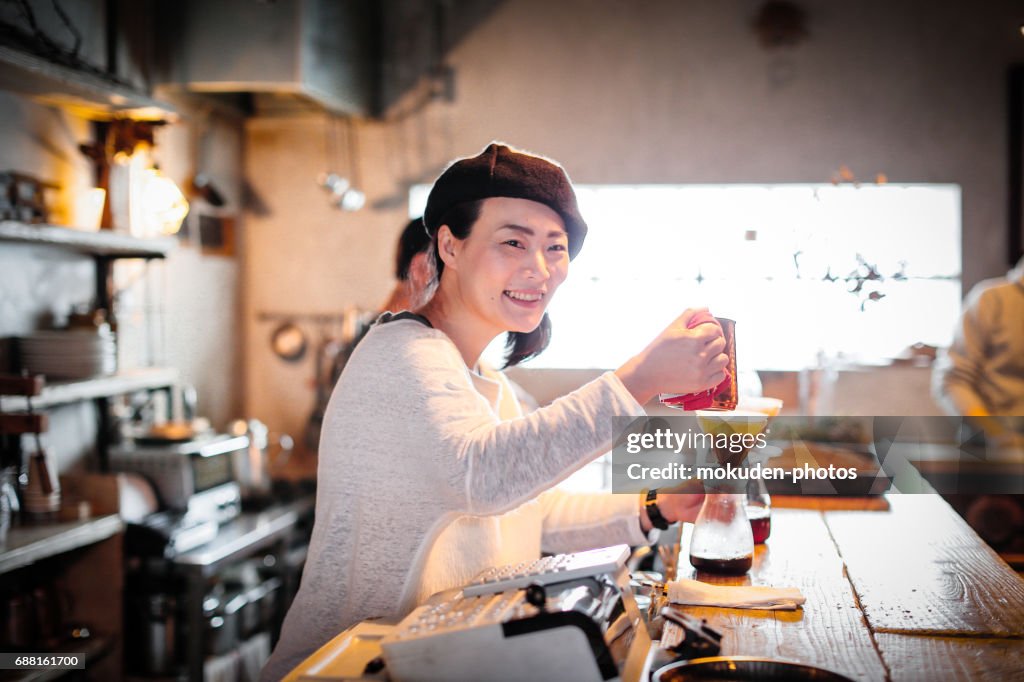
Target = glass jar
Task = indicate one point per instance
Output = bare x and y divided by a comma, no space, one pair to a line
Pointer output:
722,540
8,501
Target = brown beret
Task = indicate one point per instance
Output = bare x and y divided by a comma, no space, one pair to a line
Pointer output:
500,171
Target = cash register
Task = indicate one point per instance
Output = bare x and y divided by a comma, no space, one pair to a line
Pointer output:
568,617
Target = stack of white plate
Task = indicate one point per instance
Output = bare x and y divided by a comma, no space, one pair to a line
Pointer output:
69,354
37,502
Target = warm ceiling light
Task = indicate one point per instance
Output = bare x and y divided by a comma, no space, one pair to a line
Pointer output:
164,206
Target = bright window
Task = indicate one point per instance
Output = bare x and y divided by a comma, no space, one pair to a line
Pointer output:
852,272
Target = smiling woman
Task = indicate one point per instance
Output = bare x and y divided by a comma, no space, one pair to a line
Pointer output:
429,472
502,277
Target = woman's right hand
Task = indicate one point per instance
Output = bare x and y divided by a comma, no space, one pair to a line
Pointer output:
678,360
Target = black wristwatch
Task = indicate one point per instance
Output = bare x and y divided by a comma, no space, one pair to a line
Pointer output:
653,511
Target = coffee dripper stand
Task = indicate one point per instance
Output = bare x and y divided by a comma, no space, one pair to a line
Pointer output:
722,540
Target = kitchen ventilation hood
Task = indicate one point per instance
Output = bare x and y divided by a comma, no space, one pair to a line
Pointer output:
314,53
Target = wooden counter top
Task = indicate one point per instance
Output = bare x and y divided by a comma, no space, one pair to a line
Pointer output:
904,593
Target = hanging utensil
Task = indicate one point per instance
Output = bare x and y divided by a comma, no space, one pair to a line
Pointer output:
288,342
201,183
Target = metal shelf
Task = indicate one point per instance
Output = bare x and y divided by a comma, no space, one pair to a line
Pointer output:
90,95
28,544
241,537
102,243
64,392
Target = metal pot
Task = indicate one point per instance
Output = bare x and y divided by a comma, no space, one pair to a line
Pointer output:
160,637
223,628
251,614
269,603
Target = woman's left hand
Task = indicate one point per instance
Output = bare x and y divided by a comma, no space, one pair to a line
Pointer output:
678,503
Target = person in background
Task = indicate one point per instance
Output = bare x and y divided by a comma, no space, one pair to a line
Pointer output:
412,269
429,472
411,289
982,374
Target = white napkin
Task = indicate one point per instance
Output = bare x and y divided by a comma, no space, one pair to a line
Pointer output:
696,593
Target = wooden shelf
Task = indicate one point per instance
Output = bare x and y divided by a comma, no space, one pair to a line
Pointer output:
85,94
64,392
101,243
28,544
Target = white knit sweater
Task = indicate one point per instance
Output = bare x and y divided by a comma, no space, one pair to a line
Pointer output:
424,481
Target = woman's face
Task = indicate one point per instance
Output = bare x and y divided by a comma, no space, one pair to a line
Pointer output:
510,265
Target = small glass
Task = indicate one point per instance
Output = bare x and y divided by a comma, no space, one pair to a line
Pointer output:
759,510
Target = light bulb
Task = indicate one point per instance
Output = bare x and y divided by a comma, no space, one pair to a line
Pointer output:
164,206
352,200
